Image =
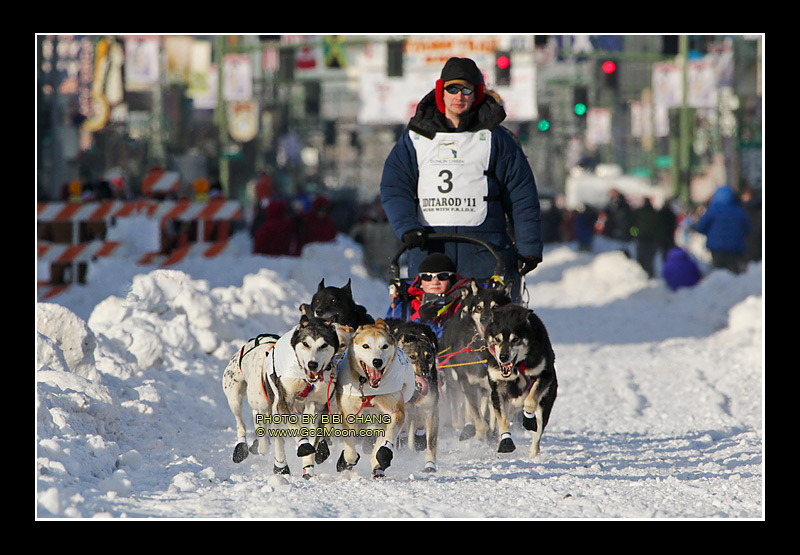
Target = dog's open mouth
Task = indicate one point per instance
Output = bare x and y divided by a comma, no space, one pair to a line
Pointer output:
374,375
313,376
329,316
506,368
421,384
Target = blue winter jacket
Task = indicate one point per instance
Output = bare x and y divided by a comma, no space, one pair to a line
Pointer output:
725,224
680,270
512,192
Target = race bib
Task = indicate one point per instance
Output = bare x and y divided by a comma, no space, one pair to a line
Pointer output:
452,185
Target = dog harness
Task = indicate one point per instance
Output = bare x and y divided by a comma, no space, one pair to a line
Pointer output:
400,373
287,365
443,358
256,342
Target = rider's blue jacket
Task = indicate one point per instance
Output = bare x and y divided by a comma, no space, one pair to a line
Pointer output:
512,225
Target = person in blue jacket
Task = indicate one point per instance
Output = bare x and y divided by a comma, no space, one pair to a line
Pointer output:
456,170
726,226
680,270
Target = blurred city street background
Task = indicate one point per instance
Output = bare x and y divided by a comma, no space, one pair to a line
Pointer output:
248,118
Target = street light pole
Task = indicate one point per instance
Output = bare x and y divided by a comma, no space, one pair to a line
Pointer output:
682,185
221,119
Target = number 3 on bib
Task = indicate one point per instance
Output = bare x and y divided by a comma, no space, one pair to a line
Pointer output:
452,186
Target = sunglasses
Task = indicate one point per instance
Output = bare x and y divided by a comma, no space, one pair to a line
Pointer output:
441,276
454,89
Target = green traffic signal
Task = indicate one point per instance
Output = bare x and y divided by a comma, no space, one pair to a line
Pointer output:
580,109
543,125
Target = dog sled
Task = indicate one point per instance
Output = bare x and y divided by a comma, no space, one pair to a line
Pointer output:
398,287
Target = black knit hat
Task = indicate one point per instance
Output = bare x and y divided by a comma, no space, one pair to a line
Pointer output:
436,262
461,69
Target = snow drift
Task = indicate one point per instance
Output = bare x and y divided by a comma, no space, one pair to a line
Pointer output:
659,411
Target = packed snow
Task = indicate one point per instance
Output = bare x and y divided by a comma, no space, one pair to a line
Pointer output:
659,415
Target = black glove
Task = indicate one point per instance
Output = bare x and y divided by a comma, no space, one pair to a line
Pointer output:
415,238
427,312
527,264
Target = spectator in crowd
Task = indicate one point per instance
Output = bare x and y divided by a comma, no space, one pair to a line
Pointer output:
278,234
726,226
680,270
317,224
647,230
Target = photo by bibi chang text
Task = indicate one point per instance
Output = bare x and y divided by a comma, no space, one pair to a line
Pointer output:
309,427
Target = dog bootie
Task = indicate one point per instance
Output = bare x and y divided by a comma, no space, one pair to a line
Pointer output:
240,452
467,432
322,453
384,455
430,466
281,468
506,444
378,473
420,440
308,472
342,464
304,448
529,421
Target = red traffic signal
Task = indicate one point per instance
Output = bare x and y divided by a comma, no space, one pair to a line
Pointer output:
609,67
503,61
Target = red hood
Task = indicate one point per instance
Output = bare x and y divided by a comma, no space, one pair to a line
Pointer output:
276,209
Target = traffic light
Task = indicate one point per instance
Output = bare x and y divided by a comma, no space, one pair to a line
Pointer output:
286,64
394,58
544,119
502,68
609,68
580,100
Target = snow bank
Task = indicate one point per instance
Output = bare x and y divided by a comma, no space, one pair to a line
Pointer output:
131,419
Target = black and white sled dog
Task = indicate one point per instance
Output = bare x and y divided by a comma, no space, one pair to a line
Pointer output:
302,375
336,304
375,381
462,360
420,344
274,375
522,372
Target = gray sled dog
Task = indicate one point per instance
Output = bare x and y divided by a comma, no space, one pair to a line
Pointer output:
462,360
420,344
375,380
253,373
522,372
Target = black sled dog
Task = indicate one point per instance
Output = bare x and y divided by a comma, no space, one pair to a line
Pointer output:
522,372
336,304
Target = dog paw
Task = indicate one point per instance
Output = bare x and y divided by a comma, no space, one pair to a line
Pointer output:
430,466
506,445
529,421
308,472
322,453
240,452
384,457
305,448
467,432
420,443
342,464
254,447
378,473
281,469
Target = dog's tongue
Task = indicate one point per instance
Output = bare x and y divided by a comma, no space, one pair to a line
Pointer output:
374,376
422,385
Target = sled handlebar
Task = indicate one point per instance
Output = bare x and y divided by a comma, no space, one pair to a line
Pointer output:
499,269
